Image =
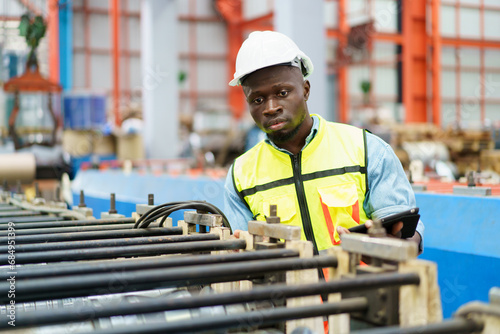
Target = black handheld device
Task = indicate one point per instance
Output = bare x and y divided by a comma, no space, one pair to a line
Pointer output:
409,218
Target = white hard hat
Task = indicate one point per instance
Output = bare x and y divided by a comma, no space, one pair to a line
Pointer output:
267,48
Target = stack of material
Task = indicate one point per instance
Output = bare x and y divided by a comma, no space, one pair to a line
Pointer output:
490,160
464,146
410,133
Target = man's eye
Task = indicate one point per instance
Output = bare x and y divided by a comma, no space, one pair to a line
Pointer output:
283,93
258,100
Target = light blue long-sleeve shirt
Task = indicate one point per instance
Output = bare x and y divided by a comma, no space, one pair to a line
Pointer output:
389,191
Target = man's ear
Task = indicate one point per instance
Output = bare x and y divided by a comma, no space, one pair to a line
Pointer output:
307,89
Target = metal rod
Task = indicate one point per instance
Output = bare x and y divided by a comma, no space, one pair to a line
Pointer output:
119,242
30,219
112,204
113,252
68,223
37,190
113,282
454,326
19,187
275,292
9,208
82,200
245,319
58,194
27,239
62,269
70,229
18,213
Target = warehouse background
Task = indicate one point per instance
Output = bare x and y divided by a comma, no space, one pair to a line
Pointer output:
447,74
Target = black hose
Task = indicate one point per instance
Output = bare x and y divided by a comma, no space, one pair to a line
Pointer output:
164,210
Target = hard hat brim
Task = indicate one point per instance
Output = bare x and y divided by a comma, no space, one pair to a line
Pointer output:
306,62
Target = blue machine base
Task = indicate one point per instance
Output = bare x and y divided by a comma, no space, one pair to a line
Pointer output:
463,277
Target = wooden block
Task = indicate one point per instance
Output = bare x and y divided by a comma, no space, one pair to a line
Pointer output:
167,223
223,232
278,231
303,277
186,228
339,323
204,219
223,287
420,305
244,235
245,285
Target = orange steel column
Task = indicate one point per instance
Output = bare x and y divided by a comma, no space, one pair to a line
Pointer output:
233,14
236,97
436,64
53,33
343,93
114,9
414,61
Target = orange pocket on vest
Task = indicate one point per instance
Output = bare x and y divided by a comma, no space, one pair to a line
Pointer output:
340,207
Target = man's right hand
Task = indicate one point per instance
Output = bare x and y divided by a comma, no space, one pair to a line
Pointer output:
341,230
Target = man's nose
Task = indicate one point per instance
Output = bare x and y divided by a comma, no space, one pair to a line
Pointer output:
272,107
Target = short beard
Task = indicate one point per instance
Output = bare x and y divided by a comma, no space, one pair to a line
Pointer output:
283,137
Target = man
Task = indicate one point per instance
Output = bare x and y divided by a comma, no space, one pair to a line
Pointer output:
325,177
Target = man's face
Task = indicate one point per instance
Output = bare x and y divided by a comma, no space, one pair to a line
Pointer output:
277,99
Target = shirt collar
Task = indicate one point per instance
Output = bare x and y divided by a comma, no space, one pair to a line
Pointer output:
309,138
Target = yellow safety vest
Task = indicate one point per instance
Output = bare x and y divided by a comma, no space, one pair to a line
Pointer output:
320,188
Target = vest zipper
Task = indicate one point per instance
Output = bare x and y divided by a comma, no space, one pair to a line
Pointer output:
304,210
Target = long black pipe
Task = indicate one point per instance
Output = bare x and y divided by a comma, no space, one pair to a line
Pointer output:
454,326
277,292
244,320
25,219
9,208
120,242
18,213
72,236
77,268
69,229
69,223
114,282
114,252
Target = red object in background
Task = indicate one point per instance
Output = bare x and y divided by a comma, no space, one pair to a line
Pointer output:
434,186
